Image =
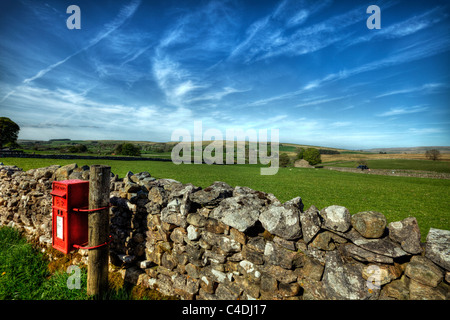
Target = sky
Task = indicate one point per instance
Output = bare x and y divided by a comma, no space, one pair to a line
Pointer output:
138,70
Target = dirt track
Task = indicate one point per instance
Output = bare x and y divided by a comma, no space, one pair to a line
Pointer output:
396,172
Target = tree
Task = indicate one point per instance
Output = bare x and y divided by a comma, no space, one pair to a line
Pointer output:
285,161
312,155
433,154
9,130
127,149
300,152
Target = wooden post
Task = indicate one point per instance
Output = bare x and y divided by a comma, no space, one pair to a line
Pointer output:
99,189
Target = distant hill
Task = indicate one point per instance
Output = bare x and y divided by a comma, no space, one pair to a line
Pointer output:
409,150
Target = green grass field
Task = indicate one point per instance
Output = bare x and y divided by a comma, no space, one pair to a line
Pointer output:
395,164
396,197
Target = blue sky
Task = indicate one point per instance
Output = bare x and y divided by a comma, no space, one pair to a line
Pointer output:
138,70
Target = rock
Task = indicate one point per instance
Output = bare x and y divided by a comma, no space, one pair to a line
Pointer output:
407,234
224,293
288,289
419,291
370,224
422,270
326,241
397,289
336,218
437,247
383,246
212,195
269,286
365,255
312,269
240,212
302,163
310,222
177,209
196,219
380,274
284,220
313,289
343,281
276,255
64,172
193,232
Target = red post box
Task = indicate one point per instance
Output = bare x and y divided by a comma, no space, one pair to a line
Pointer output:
69,225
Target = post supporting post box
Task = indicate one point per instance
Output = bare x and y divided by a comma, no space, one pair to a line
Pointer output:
99,189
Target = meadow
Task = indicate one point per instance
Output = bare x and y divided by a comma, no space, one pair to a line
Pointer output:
396,197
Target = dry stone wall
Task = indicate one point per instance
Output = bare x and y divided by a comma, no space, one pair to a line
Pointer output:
237,243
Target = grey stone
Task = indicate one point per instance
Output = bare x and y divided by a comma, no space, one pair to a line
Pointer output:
419,291
437,247
283,220
310,222
370,224
365,255
397,289
383,246
343,281
326,241
422,270
178,207
277,255
407,234
240,212
336,218
212,195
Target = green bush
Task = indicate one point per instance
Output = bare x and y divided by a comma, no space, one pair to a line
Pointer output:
127,149
312,155
285,160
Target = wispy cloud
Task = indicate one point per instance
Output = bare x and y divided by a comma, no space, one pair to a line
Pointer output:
403,28
426,88
281,32
418,50
402,111
125,13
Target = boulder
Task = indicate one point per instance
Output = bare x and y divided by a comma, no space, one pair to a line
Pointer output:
370,224
437,247
336,218
343,281
283,220
419,291
380,274
407,234
383,246
422,270
397,289
178,207
212,195
326,241
64,172
276,255
365,255
240,212
310,222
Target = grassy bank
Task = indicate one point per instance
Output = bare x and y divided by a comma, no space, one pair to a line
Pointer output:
27,274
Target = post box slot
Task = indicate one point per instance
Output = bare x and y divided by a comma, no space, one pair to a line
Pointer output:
59,193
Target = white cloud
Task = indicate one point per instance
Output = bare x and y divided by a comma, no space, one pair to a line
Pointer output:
401,111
